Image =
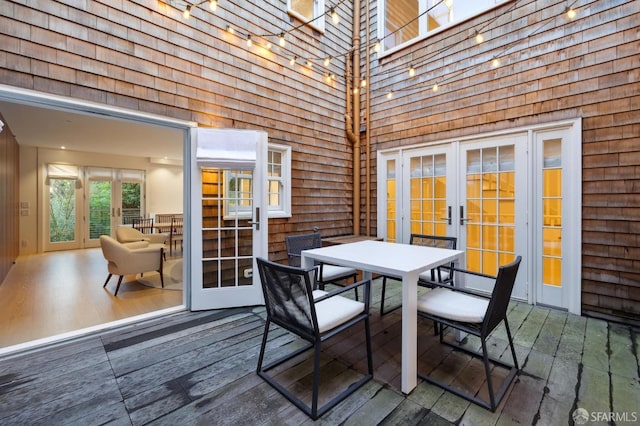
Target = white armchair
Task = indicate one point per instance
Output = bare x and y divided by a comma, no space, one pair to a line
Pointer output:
127,234
131,258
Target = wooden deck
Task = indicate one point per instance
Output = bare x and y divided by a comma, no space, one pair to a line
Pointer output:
199,368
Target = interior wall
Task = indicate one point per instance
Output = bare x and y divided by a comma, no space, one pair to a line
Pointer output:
163,182
9,165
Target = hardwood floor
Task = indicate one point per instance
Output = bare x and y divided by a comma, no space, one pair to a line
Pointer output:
59,292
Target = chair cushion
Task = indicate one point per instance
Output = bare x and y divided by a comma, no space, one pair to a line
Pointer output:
453,305
334,272
318,293
336,310
444,274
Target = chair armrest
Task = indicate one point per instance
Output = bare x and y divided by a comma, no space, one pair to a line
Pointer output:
367,291
466,271
136,245
468,291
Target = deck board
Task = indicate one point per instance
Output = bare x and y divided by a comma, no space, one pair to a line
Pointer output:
199,368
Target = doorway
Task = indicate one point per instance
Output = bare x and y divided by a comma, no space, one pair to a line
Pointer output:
501,195
113,151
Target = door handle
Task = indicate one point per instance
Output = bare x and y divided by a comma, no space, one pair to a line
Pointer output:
256,219
448,219
462,218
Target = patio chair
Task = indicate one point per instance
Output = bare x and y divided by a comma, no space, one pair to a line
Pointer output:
477,315
313,315
439,275
327,274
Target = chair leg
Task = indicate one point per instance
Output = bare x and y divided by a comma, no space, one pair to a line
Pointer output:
264,345
487,370
513,349
118,287
108,278
316,380
384,288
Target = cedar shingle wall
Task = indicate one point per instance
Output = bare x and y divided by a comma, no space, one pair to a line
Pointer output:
588,67
142,55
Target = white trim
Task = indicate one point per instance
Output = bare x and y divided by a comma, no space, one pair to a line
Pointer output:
85,332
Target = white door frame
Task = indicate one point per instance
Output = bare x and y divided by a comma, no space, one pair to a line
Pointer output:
572,187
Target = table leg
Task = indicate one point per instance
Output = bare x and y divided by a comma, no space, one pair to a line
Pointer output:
409,331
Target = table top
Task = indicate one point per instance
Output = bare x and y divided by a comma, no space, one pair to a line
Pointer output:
345,239
384,257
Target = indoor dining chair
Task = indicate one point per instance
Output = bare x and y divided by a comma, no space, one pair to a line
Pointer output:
315,316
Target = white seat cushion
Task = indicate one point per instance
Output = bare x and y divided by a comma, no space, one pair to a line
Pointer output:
453,305
334,272
426,275
318,293
336,310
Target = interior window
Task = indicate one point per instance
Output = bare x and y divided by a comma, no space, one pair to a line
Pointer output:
406,20
308,11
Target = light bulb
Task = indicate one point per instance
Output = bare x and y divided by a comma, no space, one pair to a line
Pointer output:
479,38
213,5
389,95
327,61
412,71
292,61
435,87
282,42
376,47
571,13
249,42
230,29
187,12
363,82
495,63
335,18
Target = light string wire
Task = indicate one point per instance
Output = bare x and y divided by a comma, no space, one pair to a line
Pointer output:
436,84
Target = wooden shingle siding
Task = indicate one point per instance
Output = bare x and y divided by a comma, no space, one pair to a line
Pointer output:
142,55
553,69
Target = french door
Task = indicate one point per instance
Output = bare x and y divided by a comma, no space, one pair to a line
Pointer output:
86,202
501,196
229,217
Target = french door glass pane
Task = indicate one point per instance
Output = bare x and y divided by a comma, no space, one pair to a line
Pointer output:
99,208
552,213
227,240
391,201
490,224
62,210
428,195
131,205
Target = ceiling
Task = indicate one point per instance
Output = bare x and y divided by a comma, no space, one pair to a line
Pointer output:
89,132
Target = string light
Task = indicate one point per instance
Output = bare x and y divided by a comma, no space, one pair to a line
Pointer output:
412,71
363,82
281,40
376,47
389,95
435,87
230,29
327,61
213,5
479,38
249,42
335,18
186,14
495,63
571,13
293,60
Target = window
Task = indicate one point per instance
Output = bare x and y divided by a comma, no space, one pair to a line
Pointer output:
308,11
406,20
239,186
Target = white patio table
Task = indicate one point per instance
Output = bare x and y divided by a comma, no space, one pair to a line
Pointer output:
400,260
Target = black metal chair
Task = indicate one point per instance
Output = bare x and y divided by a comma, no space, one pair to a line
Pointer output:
327,274
478,315
313,315
438,275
